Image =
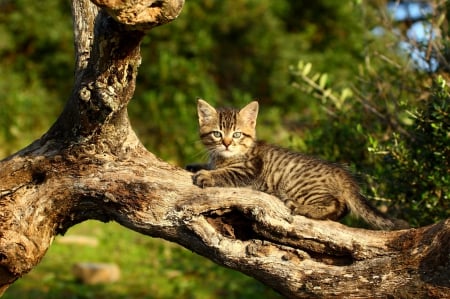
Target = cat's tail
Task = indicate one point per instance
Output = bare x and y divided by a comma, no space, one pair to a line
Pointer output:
360,207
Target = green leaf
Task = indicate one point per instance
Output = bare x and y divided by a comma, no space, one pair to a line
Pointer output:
307,69
323,80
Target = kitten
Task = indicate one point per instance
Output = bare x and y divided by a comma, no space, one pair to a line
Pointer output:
308,186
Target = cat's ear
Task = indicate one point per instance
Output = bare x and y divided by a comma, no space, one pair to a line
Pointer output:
205,112
249,113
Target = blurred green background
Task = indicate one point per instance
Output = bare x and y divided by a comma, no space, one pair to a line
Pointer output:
349,81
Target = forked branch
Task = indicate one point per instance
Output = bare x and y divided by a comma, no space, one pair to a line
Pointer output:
91,165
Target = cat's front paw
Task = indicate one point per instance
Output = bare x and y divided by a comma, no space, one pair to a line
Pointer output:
203,178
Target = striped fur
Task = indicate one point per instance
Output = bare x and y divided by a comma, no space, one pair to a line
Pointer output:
307,185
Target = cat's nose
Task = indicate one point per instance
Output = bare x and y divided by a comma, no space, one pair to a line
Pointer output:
227,141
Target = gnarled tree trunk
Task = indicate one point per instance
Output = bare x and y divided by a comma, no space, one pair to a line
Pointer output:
91,165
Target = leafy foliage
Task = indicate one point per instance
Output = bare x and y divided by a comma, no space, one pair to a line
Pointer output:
418,169
36,63
393,123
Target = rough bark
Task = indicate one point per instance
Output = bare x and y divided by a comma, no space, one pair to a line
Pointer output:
91,165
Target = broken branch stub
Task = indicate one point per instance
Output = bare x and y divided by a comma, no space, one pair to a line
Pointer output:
142,14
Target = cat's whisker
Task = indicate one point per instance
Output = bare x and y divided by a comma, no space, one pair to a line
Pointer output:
200,155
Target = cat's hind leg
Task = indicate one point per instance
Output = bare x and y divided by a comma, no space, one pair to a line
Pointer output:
321,208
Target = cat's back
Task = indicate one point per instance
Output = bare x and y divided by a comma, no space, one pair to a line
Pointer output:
289,170
280,157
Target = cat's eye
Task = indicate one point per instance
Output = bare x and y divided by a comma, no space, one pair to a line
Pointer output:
237,134
217,134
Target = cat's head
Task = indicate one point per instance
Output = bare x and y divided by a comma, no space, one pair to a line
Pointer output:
227,132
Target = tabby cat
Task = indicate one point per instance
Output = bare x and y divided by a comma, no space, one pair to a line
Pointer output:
308,186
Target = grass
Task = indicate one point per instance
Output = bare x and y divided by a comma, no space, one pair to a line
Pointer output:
150,268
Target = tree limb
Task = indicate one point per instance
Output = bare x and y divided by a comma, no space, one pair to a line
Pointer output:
91,165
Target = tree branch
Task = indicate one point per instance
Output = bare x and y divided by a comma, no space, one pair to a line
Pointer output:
91,165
